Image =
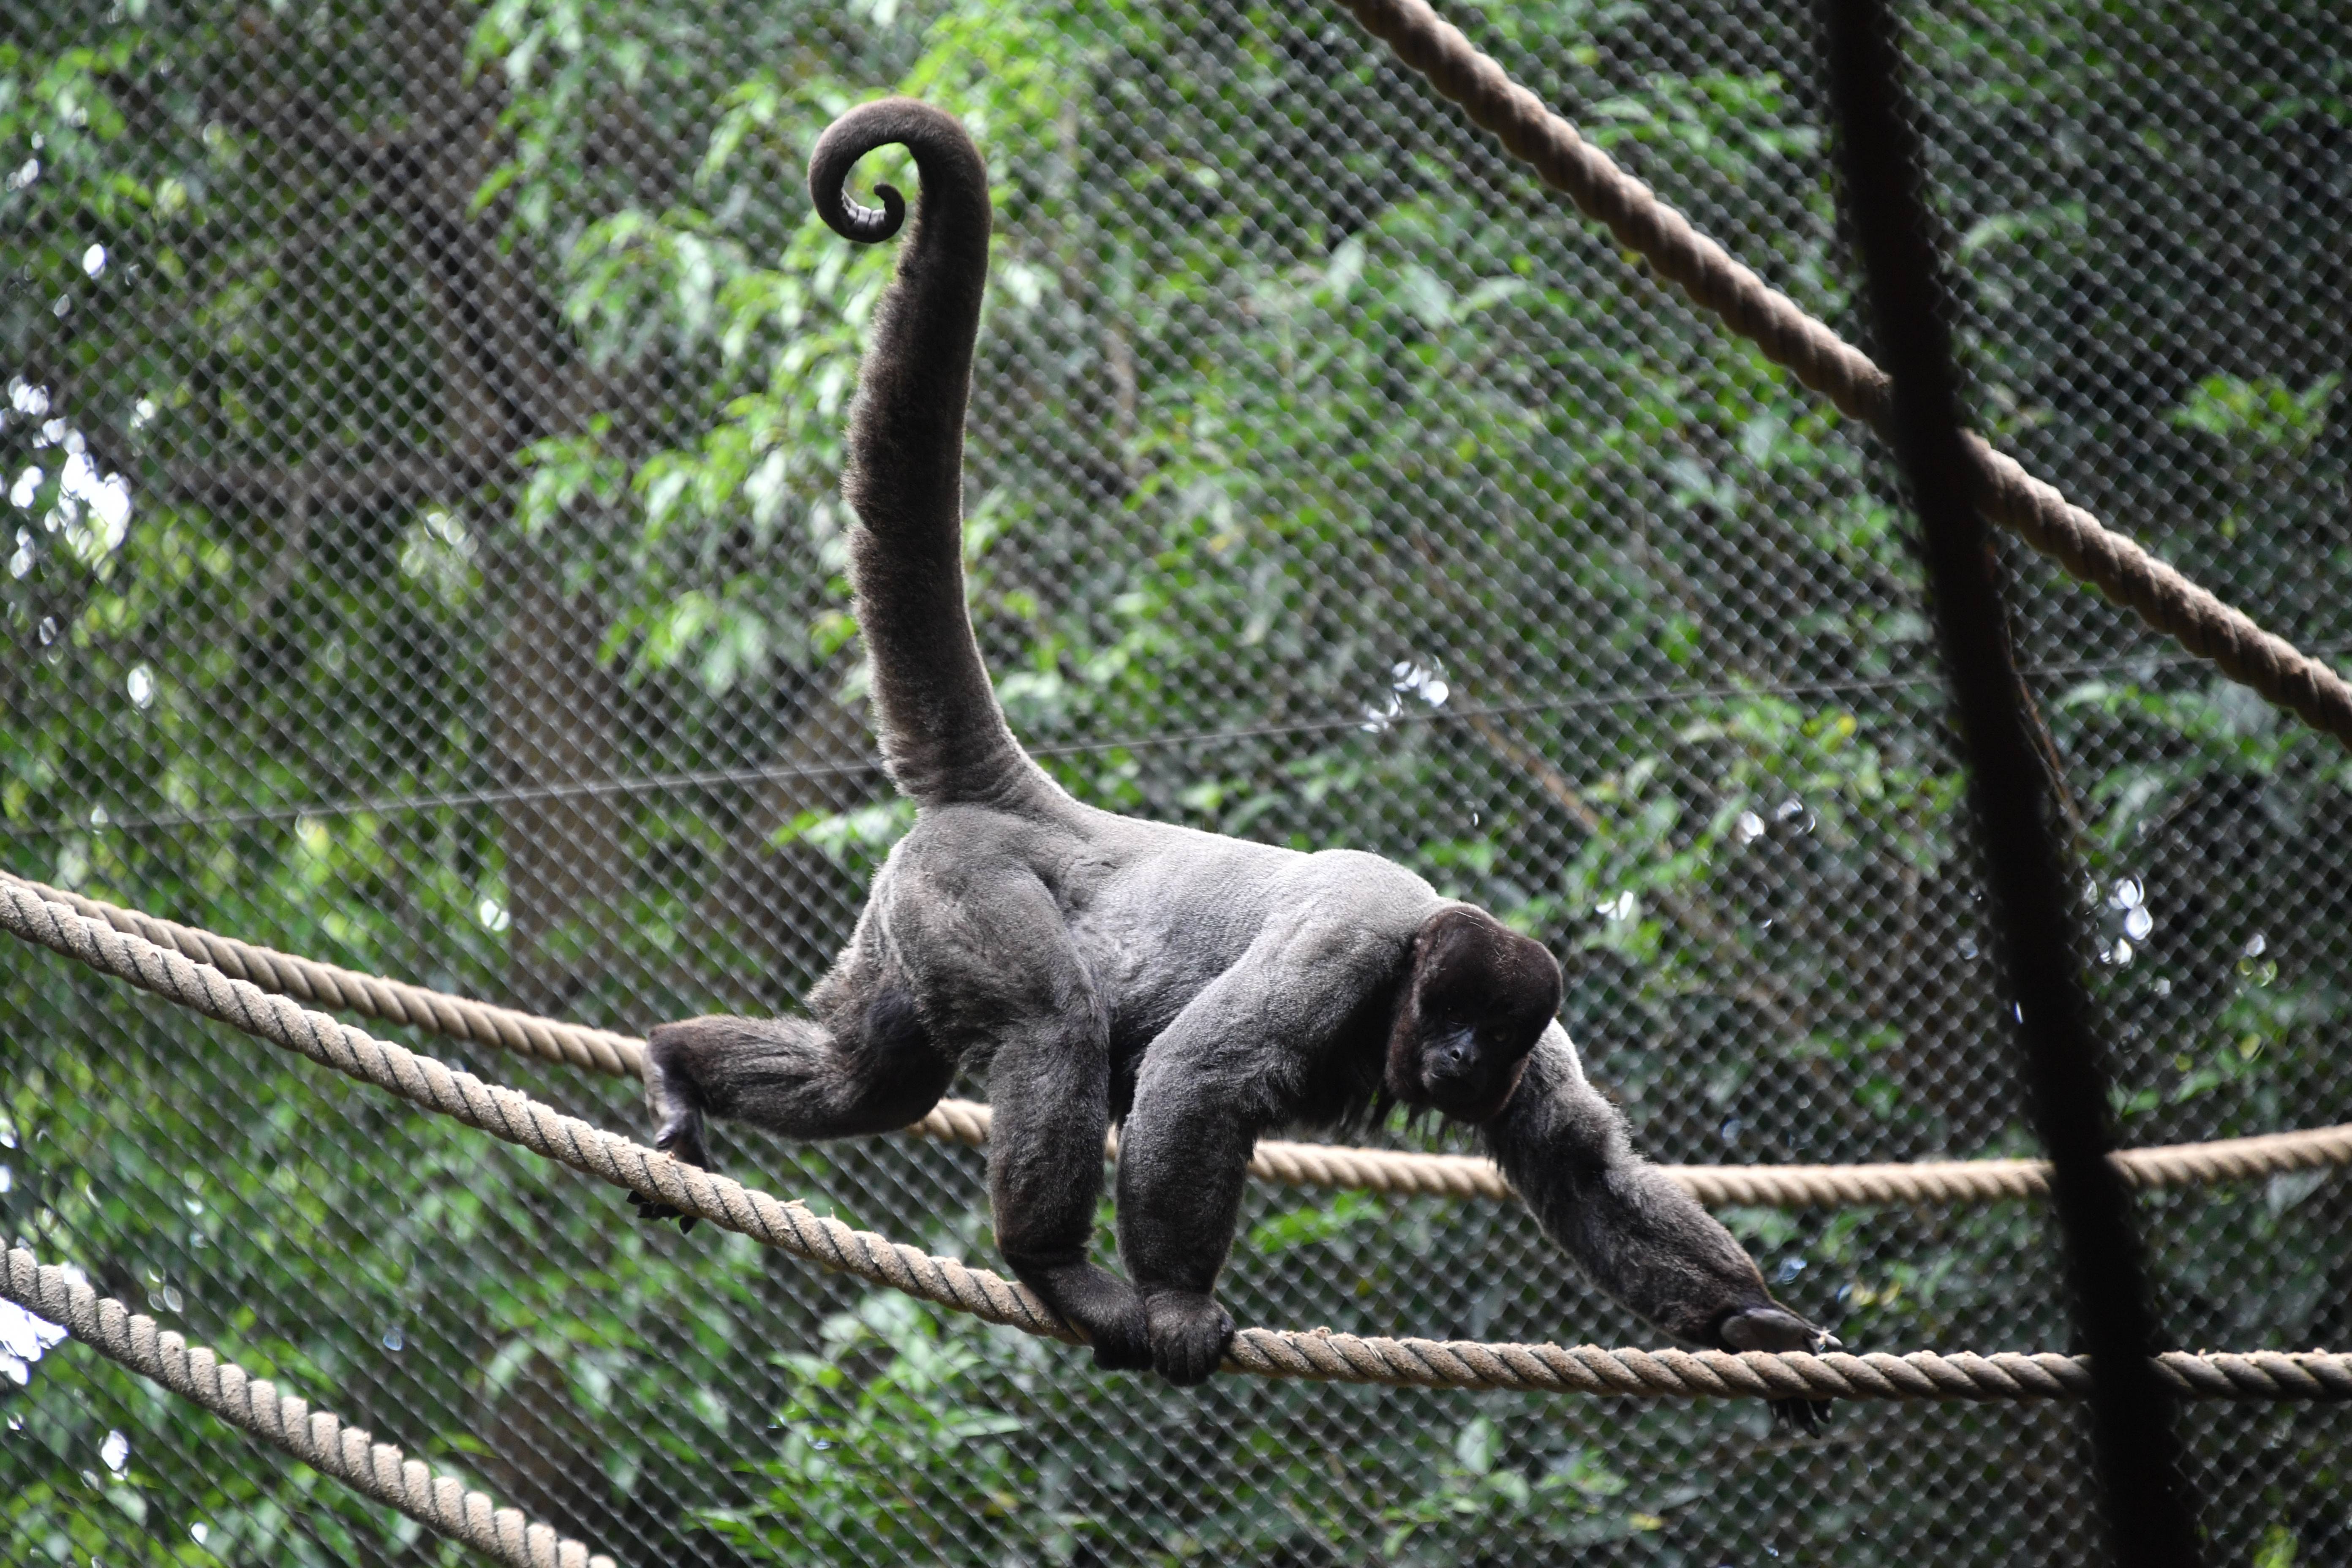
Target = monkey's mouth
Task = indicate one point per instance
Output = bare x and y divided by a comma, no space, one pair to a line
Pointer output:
1474,1101
1461,1080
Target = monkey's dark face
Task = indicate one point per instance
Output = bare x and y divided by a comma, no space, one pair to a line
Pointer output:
1467,1073
1479,997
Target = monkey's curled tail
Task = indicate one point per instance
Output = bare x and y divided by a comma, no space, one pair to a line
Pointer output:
943,735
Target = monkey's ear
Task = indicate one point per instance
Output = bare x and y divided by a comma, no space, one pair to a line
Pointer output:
1527,982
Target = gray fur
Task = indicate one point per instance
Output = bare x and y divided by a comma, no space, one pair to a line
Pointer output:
1199,991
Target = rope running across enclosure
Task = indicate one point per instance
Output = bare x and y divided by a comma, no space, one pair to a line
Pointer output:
252,1405
1320,1355
1811,351
1398,1173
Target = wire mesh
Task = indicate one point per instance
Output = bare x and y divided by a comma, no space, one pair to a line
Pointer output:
422,442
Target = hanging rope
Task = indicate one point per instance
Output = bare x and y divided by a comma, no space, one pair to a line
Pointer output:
1320,1355
1824,361
440,1503
2029,876
1397,1172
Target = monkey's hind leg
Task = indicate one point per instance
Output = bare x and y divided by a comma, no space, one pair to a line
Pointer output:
986,946
1211,1082
1049,1089
791,1076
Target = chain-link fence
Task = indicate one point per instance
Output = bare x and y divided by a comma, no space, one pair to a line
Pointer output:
422,444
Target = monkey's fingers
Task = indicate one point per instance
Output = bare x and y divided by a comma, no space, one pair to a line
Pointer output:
1190,1332
1777,1329
1807,1418
655,1210
1804,1417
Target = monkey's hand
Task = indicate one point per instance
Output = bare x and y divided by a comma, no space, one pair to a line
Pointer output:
680,1138
1189,1332
1778,1329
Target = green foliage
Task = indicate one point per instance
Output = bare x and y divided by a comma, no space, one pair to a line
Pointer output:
1477,1496
2266,414
880,1458
1326,485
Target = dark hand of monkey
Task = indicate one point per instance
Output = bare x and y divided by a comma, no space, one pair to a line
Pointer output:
680,1138
1190,1332
1773,1329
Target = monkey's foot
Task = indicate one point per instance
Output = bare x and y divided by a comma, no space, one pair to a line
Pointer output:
1777,1329
1190,1332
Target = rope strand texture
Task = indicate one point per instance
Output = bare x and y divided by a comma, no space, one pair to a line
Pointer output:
1398,1173
1321,1355
1811,350
371,996
252,1405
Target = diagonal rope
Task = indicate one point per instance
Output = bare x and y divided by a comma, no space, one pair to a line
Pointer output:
371,997
1321,1355
1399,1172
1811,350
252,1405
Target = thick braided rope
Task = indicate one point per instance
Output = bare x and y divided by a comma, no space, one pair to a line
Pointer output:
1399,1172
964,1121
1822,361
1320,1354
348,991
515,1118
1985,1180
252,1405
1403,1172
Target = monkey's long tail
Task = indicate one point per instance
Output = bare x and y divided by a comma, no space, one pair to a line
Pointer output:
943,735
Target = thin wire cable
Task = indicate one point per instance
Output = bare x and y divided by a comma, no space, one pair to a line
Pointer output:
2150,1516
99,820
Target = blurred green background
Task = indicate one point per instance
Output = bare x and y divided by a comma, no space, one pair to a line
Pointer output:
422,437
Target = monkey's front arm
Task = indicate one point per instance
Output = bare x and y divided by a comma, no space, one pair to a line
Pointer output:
1636,1235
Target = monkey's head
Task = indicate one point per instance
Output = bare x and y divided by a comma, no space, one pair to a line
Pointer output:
1479,997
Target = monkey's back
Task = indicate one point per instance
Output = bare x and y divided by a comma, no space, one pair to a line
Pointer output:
1152,913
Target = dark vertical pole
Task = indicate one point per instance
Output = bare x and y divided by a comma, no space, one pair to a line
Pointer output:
2149,1516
